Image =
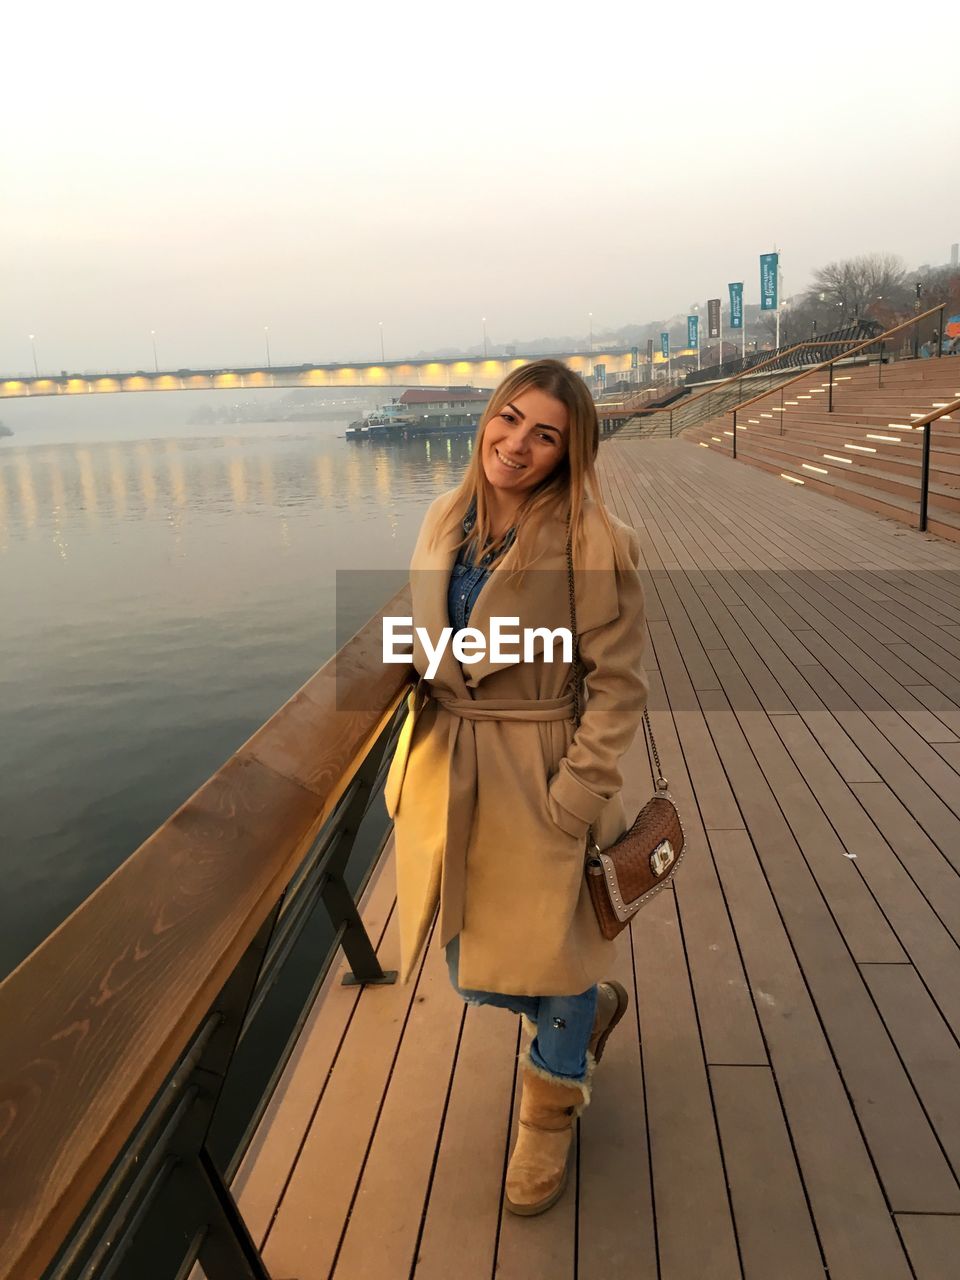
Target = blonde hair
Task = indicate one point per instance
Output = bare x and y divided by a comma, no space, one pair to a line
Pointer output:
563,491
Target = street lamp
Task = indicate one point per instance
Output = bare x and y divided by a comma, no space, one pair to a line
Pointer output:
33,348
266,338
153,339
916,332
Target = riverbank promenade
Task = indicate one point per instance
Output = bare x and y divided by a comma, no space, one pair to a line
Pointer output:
781,1103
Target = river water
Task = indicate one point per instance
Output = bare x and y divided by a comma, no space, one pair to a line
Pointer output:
161,594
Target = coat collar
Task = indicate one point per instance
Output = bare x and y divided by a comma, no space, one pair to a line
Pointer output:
541,599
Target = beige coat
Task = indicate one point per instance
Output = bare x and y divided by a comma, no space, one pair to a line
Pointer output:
491,796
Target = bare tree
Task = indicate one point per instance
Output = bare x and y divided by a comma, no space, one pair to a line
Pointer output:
857,287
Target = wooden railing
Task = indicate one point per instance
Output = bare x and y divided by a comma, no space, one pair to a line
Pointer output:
119,1029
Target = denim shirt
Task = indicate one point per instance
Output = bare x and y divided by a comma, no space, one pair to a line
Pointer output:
467,578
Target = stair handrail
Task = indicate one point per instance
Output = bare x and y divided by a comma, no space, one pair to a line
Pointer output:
757,368
926,423
870,342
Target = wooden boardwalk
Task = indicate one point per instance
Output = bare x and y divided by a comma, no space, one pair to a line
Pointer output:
782,1103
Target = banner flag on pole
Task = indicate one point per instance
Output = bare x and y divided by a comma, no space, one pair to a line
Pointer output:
768,281
693,331
665,345
713,317
736,305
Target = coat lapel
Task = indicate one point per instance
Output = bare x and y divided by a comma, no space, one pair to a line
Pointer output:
540,600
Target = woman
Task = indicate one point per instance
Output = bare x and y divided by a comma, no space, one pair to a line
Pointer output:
492,791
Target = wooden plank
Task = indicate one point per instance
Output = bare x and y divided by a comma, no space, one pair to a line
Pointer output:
924,1041
925,861
384,1225
306,1231
933,1243
853,1223
914,1172
688,1176
912,726
716,802
776,1234
463,1210
273,1151
728,1023
918,923
936,818
617,1232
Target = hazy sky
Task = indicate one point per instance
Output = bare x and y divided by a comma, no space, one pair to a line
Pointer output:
207,169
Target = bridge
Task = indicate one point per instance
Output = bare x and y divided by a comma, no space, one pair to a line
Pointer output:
431,371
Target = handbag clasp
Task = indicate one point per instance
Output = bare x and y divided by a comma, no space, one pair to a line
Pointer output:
661,858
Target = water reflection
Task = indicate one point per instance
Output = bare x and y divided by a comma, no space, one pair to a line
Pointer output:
159,599
42,486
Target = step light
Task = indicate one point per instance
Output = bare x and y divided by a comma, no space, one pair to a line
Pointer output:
832,457
803,397
792,479
860,448
728,433
791,402
766,415
808,466
755,421
717,438
892,439
703,444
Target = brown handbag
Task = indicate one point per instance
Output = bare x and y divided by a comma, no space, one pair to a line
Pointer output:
625,876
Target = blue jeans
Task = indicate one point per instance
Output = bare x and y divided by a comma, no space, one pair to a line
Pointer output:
564,1023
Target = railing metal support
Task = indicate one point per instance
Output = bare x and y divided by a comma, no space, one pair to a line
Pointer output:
940,333
337,898
830,393
925,478
880,368
227,1251
734,433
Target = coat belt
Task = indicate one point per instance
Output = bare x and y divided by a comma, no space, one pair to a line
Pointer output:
462,786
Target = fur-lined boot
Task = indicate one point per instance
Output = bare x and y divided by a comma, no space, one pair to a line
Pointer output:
537,1173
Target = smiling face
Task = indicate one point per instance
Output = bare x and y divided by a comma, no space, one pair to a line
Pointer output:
524,443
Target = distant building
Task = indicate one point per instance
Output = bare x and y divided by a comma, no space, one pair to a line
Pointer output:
456,400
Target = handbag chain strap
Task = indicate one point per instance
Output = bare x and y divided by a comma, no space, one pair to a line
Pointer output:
660,781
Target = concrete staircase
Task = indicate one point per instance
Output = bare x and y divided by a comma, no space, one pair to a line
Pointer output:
865,452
